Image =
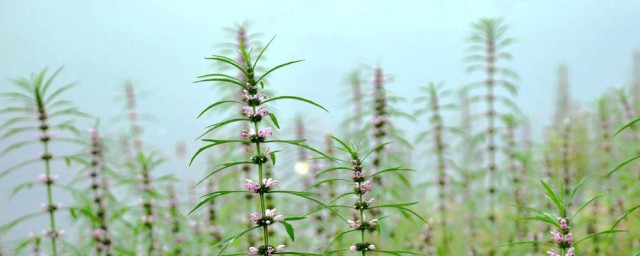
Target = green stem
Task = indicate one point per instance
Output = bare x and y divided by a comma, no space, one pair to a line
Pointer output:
263,209
361,219
52,220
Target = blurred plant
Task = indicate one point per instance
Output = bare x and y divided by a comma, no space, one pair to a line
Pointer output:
437,133
563,99
363,185
175,220
34,101
97,206
488,41
563,222
254,112
354,119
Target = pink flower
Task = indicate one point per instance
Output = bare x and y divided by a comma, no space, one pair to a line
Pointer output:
568,238
352,249
354,224
269,182
262,111
272,214
93,133
556,237
255,217
552,253
97,233
357,175
563,223
364,187
571,252
252,186
280,248
355,164
245,95
247,111
253,250
42,179
265,133
247,134
371,247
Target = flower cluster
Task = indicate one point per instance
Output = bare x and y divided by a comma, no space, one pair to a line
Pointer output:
363,226
44,180
256,137
252,97
361,187
254,116
361,247
268,250
269,218
563,238
260,188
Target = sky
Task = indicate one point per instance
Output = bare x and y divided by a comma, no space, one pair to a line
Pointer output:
160,46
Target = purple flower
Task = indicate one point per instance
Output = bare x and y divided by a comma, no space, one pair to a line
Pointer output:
563,224
556,237
365,187
252,186
568,238
265,133
247,111
253,250
255,217
352,249
247,134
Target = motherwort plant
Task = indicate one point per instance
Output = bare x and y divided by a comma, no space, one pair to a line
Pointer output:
38,109
488,42
439,150
259,136
96,208
563,221
364,203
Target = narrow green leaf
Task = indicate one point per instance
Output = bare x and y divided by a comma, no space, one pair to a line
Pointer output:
274,120
290,230
295,98
216,104
622,165
277,67
626,126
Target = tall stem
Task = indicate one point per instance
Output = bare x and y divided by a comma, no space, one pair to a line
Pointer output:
263,209
52,219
